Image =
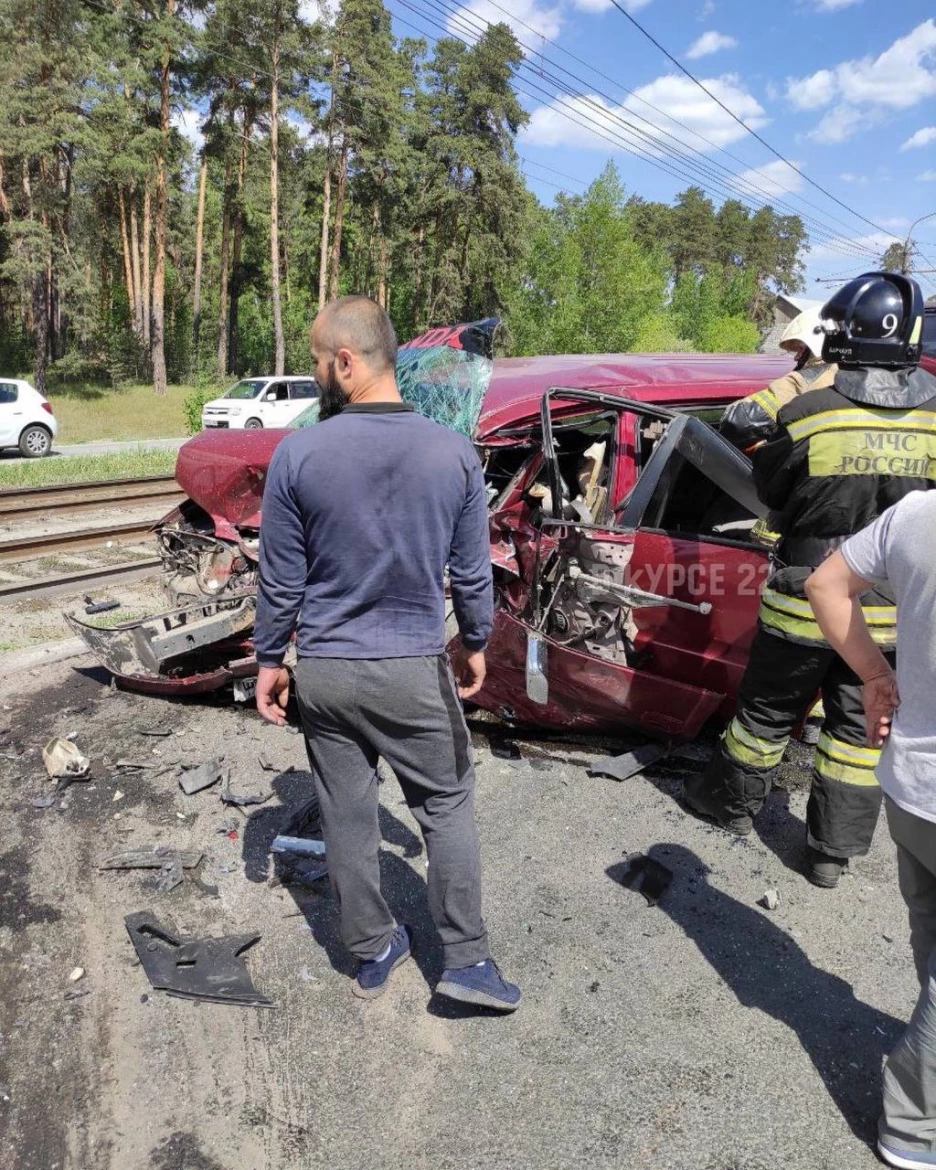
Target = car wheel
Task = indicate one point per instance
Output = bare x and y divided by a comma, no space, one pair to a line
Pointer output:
35,442
253,424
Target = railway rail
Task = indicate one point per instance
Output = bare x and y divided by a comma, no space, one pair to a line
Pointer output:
26,552
16,503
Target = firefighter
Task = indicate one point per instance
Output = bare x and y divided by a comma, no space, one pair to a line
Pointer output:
836,459
749,420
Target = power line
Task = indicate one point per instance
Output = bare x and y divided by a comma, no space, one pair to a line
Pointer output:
656,109
672,160
666,53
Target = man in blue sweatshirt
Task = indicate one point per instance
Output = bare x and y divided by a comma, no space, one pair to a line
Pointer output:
361,515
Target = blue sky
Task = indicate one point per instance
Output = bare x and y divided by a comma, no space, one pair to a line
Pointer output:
846,89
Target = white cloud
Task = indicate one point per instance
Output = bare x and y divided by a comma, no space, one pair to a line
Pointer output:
707,9
922,138
898,223
834,5
811,93
708,43
189,122
604,5
863,88
840,124
857,180
772,181
559,122
927,177
471,21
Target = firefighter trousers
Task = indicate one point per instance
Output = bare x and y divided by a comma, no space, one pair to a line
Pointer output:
780,683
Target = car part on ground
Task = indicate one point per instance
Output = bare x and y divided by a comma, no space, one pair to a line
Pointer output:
195,968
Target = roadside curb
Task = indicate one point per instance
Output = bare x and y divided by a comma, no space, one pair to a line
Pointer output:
44,655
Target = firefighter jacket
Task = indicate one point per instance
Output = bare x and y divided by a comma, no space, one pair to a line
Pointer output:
837,459
751,419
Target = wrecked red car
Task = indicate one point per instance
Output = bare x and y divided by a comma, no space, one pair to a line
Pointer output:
626,576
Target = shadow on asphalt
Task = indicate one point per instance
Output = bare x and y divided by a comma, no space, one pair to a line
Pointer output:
767,970
403,888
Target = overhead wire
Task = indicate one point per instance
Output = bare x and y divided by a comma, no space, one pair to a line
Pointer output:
638,97
679,65
650,148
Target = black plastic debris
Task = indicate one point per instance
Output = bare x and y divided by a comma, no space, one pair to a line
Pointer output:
195,779
195,968
630,763
504,749
92,606
296,839
233,793
647,876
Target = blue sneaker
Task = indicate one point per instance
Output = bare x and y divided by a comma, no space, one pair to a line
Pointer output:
374,974
907,1159
482,985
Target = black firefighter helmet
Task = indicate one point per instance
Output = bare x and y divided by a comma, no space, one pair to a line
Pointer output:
874,320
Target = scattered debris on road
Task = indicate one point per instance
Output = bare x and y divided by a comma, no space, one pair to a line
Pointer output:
230,796
203,776
77,973
62,758
153,857
647,876
195,968
770,899
630,763
92,606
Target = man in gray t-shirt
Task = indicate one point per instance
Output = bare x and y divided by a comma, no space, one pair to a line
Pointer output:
899,549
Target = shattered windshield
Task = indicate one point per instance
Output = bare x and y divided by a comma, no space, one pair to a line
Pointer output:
447,385
249,388
309,416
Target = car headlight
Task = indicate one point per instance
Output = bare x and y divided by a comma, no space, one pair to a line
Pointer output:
234,410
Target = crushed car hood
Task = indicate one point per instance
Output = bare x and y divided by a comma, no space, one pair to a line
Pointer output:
224,472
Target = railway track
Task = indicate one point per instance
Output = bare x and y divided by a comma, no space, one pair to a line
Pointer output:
16,503
30,554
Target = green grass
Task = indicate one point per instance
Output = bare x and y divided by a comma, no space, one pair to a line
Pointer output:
88,413
86,468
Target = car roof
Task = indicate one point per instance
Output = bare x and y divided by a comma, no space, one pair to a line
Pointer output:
517,384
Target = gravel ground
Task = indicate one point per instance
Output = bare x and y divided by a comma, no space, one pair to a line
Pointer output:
703,1034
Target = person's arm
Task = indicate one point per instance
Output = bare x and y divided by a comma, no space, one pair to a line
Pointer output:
773,468
283,572
471,580
834,592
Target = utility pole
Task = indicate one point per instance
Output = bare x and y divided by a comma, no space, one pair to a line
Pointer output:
905,269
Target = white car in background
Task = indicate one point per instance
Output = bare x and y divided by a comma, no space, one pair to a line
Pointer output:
261,402
26,419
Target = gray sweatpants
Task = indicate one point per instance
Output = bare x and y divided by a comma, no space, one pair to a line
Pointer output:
407,711
909,1120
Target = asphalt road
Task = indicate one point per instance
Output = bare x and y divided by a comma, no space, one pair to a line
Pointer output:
703,1034
12,455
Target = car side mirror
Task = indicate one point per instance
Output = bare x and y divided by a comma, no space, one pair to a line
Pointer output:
537,663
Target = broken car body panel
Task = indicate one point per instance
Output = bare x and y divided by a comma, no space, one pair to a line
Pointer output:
620,534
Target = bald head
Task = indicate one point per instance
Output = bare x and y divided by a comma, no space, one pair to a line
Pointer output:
360,325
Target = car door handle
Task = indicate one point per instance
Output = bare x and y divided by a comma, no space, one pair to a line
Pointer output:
637,598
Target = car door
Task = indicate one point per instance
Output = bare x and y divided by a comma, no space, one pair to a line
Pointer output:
275,404
301,395
692,511
11,414
643,626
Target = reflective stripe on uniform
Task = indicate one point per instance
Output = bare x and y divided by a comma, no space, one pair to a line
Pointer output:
858,417
767,401
746,748
794,616
846,762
